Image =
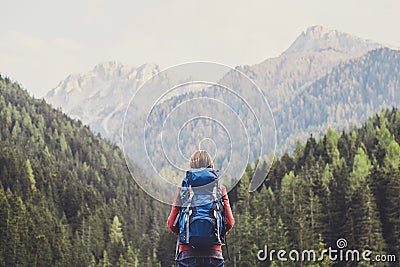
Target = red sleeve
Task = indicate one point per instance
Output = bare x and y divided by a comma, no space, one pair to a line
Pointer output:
173,215
230,221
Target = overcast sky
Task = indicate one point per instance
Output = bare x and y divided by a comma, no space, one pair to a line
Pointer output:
42,42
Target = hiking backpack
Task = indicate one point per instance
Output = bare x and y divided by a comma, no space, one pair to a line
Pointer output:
201,221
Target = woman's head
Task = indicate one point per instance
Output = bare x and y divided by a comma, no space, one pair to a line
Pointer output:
201,159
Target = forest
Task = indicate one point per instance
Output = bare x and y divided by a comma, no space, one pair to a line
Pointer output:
67,198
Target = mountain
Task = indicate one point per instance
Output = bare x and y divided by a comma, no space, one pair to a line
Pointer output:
99,97
345,97
284,80
318,38
98,83
312,55
341,99
100,94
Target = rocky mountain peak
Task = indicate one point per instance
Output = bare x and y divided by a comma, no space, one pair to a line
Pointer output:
319,38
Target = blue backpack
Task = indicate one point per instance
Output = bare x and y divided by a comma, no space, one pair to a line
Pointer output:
201,221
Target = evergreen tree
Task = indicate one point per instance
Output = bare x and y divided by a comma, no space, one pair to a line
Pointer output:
105,262
62,248
116,235
362,217
122,261
392,200
361,169
4,219
17,236
31,176
132,257
332,150
117,242
243,251
78,255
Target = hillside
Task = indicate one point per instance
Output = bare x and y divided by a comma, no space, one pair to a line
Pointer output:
344,98
66,197
343,185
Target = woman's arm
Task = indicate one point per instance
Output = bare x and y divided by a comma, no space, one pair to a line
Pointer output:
173,215
230,221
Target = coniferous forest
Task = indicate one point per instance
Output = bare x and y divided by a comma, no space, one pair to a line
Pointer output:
67,198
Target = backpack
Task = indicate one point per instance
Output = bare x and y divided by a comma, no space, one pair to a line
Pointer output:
201,221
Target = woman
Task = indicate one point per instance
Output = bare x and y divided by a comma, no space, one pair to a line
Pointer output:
212,255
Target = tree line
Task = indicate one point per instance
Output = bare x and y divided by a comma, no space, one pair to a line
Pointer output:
67,198
341,186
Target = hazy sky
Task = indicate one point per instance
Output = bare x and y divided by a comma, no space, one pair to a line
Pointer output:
44,41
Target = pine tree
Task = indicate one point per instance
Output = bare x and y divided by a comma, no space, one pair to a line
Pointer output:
281,242
78,255
287,201
117,242
62,246
132,257
43,236
166,247
337,201
116,235
325,261
121,261
4,219
31,176
105,261
324,195
16,131
1,259
17,236
392,200
241,248
332,150
361,169
362,217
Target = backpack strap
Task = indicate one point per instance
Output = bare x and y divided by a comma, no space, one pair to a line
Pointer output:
177,240
189,212
217,207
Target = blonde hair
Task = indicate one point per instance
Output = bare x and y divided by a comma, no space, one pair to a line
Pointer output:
201,159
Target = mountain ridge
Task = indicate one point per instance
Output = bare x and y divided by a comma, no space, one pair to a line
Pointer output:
319,38
352,92
104,70
280,79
